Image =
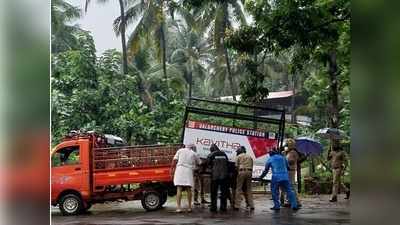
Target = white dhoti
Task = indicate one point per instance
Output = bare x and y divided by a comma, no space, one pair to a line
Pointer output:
187,161
183,176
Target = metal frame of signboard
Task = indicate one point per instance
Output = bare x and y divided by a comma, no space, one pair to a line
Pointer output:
191,109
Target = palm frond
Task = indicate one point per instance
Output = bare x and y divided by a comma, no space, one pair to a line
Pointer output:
87,2
133,43
154,69
62,32
65,10
131,15
178,56
188,17
134,40
238,12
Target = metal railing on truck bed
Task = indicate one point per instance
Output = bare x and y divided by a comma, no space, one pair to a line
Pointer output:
133,157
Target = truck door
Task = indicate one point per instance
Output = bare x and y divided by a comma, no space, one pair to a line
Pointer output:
66,171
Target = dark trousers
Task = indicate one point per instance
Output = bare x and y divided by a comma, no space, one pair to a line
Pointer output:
199,187
221,184
231,190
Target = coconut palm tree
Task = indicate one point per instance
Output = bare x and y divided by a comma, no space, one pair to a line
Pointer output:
121,32
62,34
225,13
192,52
217,82
150,18
150,75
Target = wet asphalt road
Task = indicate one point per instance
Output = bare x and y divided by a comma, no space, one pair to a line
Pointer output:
315,210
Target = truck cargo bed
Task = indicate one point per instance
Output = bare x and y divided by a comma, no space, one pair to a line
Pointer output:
132,164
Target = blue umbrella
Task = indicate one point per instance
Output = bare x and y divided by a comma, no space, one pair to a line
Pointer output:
308,146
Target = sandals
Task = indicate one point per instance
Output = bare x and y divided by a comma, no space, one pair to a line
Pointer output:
180,210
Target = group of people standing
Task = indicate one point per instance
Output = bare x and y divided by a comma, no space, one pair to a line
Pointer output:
229,179
234,179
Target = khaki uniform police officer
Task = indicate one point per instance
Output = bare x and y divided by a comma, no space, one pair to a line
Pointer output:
244,165
293,158
338,163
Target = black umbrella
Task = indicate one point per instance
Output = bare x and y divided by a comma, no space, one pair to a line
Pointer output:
331,133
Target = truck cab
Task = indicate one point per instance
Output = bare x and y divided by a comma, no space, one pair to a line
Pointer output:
70,173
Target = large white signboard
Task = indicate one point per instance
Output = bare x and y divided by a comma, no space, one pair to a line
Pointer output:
228,139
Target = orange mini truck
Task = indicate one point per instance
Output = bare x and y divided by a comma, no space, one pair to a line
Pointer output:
86,170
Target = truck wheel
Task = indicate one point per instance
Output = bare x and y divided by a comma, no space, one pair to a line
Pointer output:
70,204
151,201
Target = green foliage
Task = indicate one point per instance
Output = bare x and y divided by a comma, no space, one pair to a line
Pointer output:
253,88
62,33
294,130
316,36
205,46
73,80
286,23
220,16
246,39
190,51
151,16
316,86
91,94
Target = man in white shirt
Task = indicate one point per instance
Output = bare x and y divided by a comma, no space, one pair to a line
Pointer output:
183,164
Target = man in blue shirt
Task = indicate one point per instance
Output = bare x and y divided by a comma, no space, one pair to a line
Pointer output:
280,178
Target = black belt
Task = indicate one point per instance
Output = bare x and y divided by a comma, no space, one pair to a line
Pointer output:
245,169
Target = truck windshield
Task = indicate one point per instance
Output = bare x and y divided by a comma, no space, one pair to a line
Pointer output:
66,156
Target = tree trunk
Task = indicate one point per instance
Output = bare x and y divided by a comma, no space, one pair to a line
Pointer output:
230,76
123,41
228,64
285,80
129,136
190,84
312,166
293,100
334,120
144,93
164,51
334,95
